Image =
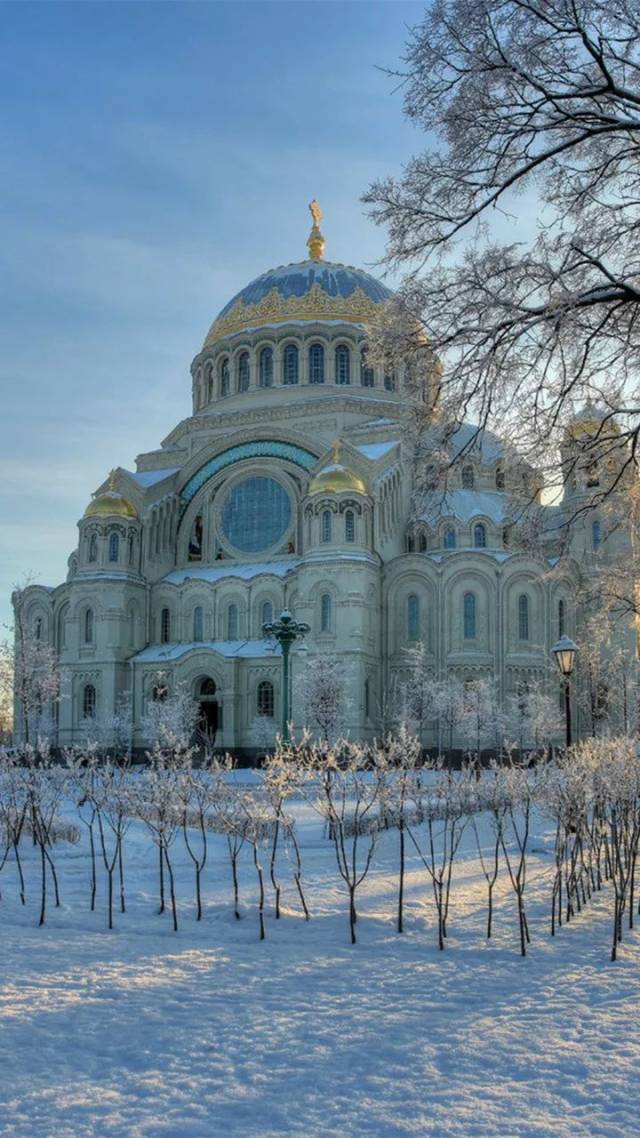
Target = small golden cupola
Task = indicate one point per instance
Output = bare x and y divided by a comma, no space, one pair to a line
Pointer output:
110,504
335,477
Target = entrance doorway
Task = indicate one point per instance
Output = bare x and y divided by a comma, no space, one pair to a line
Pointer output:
208,713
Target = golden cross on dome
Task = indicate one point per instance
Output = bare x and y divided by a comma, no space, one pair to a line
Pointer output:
315,244
337,447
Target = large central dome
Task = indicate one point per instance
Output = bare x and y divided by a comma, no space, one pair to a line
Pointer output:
307,290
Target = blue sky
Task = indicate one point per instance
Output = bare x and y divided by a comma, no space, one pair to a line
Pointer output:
155,158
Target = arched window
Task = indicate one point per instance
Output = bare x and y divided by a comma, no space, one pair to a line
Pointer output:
411,543
132,626
198,623
469,616
480,536
499,478
449,540
316,363
130,548
88,626
225,382
349,526
326,525
114,547
159,693
266,614
343,364
596,534
165,626
243,371
422,543
37,628
93,547
264,702
290,364
467,478
367,378
232,622
413,617
506,535
89,702
561,619
195,539
367,698
209,382
207,687
266,367
390,381
593,477
325,612
523,617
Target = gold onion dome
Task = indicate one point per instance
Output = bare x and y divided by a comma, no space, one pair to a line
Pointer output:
311,290
110,504
336,477
592,419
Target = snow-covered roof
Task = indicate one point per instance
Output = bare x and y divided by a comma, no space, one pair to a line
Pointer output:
164,653
214,573
464,505
150,477
471,439
375,451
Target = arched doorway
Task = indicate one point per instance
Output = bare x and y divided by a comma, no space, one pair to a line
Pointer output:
208,712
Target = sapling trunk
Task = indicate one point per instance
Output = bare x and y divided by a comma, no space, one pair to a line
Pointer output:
258,866
172,890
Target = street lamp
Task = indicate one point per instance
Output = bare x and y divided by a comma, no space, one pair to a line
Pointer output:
565,656
286,630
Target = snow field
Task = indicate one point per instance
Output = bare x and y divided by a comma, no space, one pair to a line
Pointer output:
144,1033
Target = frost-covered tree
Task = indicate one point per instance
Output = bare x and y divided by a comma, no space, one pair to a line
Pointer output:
532,108
321,700
34,674
170,720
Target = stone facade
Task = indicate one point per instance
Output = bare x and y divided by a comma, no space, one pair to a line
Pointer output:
248,507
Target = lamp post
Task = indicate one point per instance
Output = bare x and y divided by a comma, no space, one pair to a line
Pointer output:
286,630
564,652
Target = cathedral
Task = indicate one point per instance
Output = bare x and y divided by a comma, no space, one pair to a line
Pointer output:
291,485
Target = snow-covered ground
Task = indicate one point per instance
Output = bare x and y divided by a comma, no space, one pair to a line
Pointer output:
143,1033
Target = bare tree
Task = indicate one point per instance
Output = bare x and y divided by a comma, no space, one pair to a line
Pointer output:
33,672
530,106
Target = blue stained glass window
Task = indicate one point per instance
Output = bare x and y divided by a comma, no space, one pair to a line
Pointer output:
243,371
413,617
316,363
256,514
266,367
469,613
267,613
290,364
224,378
449,538
343,364
523,617
114,547
480,536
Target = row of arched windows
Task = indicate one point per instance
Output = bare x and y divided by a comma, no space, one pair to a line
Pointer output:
290,369
469,625
113,554
469,478
326,526
232,623
449,539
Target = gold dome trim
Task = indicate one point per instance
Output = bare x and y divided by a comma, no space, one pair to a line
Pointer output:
316,304
110,504
336,478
